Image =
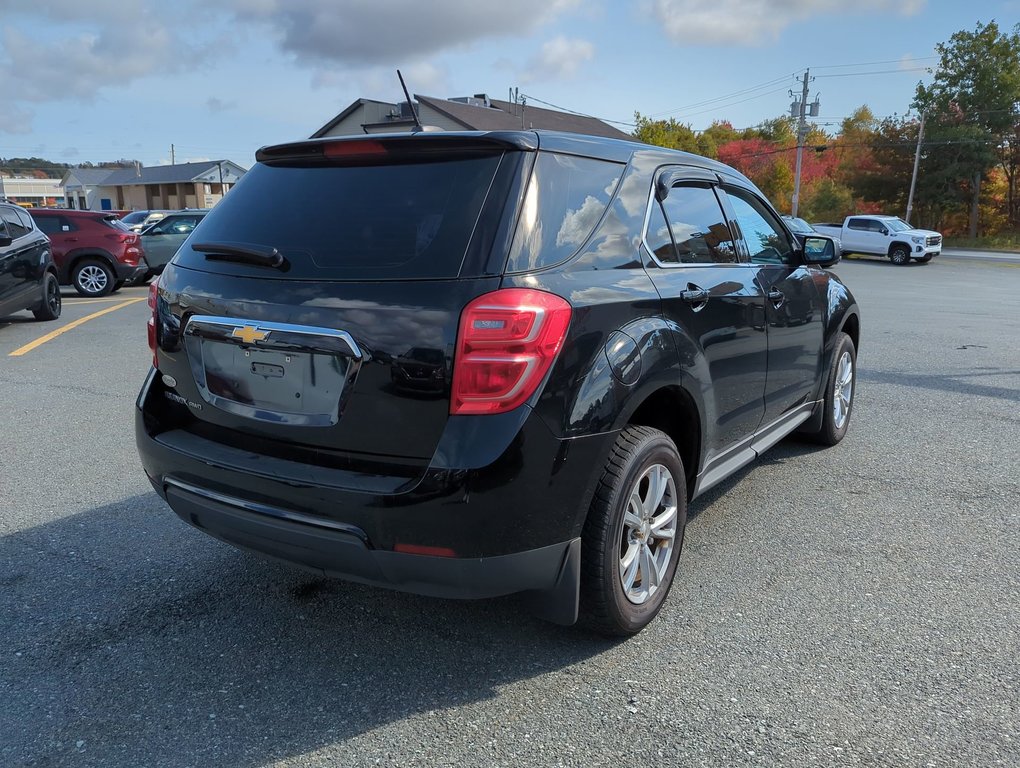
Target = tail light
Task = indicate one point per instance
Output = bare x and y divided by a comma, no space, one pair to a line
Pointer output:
151,324
506,343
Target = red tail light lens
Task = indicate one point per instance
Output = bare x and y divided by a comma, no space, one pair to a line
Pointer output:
506,343
151,324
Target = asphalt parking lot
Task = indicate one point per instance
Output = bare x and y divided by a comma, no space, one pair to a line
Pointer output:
855,606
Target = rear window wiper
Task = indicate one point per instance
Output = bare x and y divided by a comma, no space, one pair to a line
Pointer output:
243,253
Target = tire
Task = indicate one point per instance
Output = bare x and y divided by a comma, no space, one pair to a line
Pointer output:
840,387
629,530
51,304
92,277
117,286
899,255
925,259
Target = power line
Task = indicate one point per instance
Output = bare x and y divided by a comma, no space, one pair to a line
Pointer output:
902,70
726,97
875,63
575,112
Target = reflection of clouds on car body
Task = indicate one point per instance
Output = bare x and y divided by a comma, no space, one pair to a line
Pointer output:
577,224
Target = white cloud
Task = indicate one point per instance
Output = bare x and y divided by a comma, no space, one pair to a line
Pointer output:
560,58
754,22
87,47
368,32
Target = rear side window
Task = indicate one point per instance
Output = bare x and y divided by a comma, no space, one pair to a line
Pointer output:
15,228
566,198
698,225
402,221
861,224
50,224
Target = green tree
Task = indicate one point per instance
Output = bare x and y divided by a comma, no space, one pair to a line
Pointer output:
670,134
974,97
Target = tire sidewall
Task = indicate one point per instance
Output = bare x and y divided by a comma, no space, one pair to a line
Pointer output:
49,285
656,450
834,433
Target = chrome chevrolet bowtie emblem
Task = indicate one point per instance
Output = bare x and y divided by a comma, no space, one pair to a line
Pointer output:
249,334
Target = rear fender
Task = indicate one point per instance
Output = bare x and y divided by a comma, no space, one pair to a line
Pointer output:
632,362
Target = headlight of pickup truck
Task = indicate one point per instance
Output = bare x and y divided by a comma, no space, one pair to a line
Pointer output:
918,240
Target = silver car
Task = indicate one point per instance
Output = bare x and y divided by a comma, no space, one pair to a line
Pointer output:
162,239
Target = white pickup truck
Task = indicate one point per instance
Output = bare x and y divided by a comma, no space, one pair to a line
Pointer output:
884,236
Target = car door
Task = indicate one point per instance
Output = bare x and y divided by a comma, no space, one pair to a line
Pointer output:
715,303
162,240
857,236
20,258
62,232
793,305
6,265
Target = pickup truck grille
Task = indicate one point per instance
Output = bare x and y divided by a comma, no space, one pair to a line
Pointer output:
934,240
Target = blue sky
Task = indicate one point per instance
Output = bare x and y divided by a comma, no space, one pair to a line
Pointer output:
104,79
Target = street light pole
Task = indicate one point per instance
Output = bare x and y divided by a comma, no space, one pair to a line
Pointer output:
913,177
801,136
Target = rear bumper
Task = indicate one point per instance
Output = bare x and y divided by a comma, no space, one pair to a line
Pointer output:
508,519
130,271
346,553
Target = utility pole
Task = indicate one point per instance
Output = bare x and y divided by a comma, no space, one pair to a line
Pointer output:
801,108
913,178
172,160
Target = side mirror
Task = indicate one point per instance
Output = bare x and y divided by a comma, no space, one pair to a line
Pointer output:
5,241
884,231
821,251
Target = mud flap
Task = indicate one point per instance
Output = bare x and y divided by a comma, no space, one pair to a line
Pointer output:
559,604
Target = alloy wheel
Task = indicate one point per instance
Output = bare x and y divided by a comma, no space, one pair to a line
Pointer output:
93,279
649,533
843,390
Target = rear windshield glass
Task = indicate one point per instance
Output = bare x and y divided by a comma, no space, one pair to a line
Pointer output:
134,217
116,223
402,221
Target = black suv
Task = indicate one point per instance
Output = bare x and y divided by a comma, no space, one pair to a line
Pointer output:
28,277
469,365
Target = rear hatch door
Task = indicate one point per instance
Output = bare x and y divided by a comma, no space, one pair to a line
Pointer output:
315,309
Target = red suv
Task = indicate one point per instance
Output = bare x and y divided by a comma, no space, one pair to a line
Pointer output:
94,250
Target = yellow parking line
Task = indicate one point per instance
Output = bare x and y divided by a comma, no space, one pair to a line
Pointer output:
80,321
92,301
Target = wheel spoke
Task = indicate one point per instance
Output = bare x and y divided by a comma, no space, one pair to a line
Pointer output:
650,575
632,521
668,516
656,490
629,573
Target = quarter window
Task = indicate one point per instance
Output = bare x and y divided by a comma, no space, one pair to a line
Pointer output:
698,225
766,239
566,199
14,226
657,238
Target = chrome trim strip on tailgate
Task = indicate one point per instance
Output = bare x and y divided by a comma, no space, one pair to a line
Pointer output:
222,329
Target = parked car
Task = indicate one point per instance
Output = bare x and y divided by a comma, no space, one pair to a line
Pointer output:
94,251
138,220
162,239
886,236
28,276
607,313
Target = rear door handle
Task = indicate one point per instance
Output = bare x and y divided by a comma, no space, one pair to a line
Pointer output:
694,294
777,297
